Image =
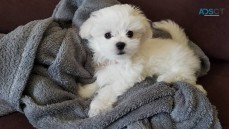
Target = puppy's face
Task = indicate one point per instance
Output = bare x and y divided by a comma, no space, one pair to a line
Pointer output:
116,32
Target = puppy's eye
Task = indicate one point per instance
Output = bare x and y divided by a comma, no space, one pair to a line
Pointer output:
130,34
108,35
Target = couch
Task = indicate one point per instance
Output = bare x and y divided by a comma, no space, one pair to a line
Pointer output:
210,33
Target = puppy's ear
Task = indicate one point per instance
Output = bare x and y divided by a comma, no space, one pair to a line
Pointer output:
85,29
149,30
148,33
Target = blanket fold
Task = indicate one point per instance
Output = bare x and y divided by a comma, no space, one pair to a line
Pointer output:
43,63
17,59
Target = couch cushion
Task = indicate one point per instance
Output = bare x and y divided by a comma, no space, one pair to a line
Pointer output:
15,121
217,85
14,13
210,33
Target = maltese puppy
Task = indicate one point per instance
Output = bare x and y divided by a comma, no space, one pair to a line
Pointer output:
120,37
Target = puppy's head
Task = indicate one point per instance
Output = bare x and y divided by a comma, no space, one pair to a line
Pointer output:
116,32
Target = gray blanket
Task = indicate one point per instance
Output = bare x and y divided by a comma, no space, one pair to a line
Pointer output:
43,62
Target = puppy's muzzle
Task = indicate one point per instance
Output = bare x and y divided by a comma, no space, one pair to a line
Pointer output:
120,45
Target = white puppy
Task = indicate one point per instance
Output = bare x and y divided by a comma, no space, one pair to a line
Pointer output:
125,53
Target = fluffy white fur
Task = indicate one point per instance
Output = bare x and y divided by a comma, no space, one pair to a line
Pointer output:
118,70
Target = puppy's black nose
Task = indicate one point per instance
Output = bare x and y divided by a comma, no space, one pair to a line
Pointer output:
120,45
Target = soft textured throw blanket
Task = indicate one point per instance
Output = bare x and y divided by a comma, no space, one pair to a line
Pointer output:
43,62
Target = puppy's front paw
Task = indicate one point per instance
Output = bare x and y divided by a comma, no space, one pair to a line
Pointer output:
98,107
94,111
